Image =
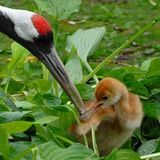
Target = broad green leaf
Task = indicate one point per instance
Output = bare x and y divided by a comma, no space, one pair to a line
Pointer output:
151,109
44,133
118,73
137,71
60,9
24,104
86,91
76,151
154,69
4,146
145,65
112,155
16,127
85,41
135,86
40,85
74,69
46,120
51,100
152,82
24,153
150,128
123,154
19,54
8,101
151,66
148,147
11,116
60,108
21,150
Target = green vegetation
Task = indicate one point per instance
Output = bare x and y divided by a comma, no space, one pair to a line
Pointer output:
34,111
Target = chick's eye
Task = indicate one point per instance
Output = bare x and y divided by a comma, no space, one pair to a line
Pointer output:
105,98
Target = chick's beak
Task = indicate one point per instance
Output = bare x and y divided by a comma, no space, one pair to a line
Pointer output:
92,109
56,67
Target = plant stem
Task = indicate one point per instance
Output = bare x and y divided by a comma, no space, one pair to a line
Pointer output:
78,122
150,155
95,148
118,50
90,70
7,84
8,78
85,141
36,154
63,138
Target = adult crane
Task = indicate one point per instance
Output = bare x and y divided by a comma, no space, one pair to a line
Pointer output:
34,33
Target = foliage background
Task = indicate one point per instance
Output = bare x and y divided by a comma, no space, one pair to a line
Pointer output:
33,110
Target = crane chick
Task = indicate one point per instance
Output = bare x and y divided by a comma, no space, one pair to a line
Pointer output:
117,113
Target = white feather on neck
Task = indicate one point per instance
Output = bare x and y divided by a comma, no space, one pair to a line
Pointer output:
23,22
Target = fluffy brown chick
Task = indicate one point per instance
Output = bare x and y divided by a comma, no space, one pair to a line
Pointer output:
117,114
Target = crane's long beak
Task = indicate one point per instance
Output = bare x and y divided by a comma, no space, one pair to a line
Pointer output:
56,67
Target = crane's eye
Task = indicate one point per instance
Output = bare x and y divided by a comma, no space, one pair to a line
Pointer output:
105,98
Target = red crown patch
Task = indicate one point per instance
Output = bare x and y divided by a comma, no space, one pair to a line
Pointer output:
41,24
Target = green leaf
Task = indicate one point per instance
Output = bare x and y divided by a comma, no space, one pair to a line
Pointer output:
16,127
150,128
24,153
112,155
74,69
151,109
8,101
46,120
21,150
51,100
44,133
61,108
148,147
76,151
152,67
23,104
123,154
11,116
145,65
19,54
86,91
152,82
60,9
135,86
40,85
85,41
4,146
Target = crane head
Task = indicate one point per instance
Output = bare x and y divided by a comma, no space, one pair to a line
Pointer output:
34,33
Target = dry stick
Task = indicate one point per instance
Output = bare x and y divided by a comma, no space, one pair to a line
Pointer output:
119,50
